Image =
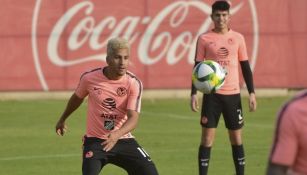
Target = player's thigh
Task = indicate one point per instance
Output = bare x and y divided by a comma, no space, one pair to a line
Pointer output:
94,158
211,110
232,111
133,158
91,166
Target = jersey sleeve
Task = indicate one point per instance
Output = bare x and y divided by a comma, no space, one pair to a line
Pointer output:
135,95
82,90
242,55
200,50
286,139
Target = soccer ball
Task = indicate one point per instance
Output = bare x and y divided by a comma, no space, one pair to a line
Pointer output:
208,76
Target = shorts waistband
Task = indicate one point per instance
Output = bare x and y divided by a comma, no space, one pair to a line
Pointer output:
95,139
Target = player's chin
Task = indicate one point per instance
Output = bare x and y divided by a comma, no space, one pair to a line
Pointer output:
121,72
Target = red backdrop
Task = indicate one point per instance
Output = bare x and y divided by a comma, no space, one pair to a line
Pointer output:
47,44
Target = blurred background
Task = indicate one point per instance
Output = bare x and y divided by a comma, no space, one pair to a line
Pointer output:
45,45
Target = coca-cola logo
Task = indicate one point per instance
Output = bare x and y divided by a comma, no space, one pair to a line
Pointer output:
162,36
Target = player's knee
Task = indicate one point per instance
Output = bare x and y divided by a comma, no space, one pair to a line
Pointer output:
207,141
235,137
236,141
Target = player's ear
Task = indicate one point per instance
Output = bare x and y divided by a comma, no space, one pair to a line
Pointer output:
212,16
108,59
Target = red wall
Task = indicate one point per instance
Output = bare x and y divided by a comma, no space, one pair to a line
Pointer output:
47,44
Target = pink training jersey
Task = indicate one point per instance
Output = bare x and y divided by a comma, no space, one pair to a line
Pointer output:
108,101
226,49
290,142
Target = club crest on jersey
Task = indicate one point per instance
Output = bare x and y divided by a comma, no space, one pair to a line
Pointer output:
121,91
109,124
230,41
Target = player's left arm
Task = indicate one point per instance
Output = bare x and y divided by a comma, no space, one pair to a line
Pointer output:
130,124
127,127
248,78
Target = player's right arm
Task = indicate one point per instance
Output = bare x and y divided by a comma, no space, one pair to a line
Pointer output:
199,56
73,104
199,53
194,101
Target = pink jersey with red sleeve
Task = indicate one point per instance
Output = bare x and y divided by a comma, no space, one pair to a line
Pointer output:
290,142
108,101
226,49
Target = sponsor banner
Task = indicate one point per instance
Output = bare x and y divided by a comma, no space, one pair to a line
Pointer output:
47,44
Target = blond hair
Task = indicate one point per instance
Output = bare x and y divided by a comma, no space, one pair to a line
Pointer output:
115,44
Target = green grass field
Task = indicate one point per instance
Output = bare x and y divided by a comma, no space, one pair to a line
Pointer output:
168,130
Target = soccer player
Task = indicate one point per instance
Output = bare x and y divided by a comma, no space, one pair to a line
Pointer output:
114,103
228,48
289,149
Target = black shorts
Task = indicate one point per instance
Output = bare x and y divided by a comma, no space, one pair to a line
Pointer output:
126,153
216,104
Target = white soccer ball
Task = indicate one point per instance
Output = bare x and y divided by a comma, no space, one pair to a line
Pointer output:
208,76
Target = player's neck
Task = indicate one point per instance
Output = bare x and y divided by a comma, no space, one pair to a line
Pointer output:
110,75
221,30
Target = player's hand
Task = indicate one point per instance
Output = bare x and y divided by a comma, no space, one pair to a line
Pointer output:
194,103
252,102
111,141
60,128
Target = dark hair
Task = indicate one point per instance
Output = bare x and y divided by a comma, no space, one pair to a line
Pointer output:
220,5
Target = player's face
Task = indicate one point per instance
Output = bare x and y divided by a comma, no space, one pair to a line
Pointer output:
220,19
118,63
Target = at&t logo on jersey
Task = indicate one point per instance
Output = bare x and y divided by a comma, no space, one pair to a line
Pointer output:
109,103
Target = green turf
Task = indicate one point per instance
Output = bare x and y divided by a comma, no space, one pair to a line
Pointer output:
168,131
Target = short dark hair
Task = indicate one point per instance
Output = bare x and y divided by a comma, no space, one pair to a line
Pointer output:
220,5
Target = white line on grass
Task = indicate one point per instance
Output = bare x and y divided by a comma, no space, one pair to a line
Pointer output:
169,115
184,117
194,149
38,157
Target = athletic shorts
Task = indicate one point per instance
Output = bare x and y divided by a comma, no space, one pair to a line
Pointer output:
216,104
126,153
